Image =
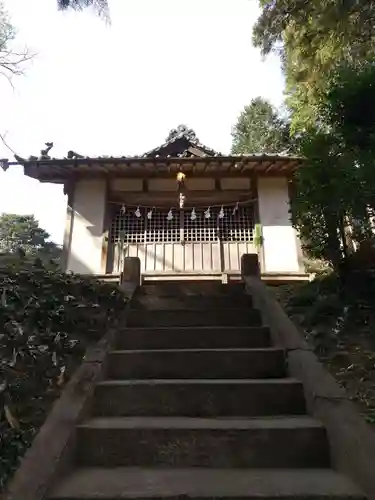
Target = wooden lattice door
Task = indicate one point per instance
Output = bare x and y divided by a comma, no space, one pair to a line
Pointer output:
183,244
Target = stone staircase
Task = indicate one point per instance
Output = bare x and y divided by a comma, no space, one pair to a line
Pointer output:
197,403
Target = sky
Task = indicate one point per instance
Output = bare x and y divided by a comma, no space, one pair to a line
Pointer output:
119,89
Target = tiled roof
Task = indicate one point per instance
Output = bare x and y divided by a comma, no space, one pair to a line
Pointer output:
181,142
181,151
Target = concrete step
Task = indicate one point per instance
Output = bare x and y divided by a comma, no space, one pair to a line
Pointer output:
198,398
154,302
122,483
215,337
183,289
183,317
298,442
197,363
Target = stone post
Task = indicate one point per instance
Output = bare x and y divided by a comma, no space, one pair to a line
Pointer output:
250,265
131,273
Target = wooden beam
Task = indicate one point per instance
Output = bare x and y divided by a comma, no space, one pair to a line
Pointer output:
59,179
171,198
196,151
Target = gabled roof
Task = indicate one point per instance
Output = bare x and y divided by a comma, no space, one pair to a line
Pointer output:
181,142
182,151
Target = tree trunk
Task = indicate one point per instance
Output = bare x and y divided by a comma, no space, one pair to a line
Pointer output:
334,252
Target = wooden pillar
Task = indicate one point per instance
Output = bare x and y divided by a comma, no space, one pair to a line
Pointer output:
69,222
255,197
301,263
106,229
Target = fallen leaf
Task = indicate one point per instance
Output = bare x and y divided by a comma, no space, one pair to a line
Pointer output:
11,419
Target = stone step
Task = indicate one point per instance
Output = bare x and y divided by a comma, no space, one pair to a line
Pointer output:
197,363
183,317
122,483
154,302
298,442
198,398
181,289
197,337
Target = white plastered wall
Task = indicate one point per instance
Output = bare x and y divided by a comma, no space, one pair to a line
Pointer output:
85,247
279,237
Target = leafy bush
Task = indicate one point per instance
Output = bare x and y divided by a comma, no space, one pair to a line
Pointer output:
338,320
47,320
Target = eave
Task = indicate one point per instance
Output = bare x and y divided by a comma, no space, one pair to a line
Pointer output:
62,170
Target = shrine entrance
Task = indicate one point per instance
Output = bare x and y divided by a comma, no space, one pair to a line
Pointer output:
185,241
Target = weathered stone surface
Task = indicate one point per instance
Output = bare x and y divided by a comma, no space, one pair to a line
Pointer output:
250,265
186,289
216,337
297,442
131,273
198,398
352,441
122,483
154,302
183,317
197,363
229,434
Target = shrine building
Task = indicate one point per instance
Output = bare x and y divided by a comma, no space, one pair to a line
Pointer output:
184,209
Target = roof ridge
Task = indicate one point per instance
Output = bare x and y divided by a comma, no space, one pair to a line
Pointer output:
182,132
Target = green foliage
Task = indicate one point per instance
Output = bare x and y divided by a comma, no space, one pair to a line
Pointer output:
260,129
6,29
314,37
339,325
101,6
349,104
48,319
339,165
315,212
22,233
327,53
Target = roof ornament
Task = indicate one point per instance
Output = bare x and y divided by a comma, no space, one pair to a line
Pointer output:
4,164
73,155
182,131
44,153
19,158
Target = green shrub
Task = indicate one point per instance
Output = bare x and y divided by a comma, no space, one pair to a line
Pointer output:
47,320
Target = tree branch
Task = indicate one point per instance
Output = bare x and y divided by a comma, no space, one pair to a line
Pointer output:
2,137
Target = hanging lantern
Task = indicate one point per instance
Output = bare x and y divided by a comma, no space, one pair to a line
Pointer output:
193,214
221,213
149,214
123,209
207,213
181,177
137,213
170,215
